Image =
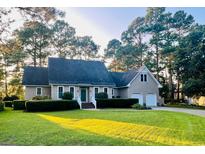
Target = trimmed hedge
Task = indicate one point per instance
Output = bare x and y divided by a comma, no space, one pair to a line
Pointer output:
51,105
40,97
101,95
19,105
8,103
116,103
1,106
67,95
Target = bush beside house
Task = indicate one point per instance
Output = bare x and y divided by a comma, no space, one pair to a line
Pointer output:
116,103
10,98
51,105
67,95
40,97
1,106
8,103
19,105
101,95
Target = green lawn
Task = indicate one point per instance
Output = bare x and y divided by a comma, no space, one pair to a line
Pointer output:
102,127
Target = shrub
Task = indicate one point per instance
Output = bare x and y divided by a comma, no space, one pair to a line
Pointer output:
116,103
1,106
67,95
140,107
40,97
19,105
8,103
10,98
101,95
51,105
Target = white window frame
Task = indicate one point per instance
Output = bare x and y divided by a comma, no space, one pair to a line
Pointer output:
58,91
73,90
37,91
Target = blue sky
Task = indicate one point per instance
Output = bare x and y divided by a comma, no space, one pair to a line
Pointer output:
105,24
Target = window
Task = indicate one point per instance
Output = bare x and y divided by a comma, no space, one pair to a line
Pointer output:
60,92
96,91
72,90
105,90
112,92
145,77
39,91
142,77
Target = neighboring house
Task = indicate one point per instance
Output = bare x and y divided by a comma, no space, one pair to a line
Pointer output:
86,78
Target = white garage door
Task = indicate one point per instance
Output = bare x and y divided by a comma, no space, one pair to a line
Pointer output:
138,96
151,100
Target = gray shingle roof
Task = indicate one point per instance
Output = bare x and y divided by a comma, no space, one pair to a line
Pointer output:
123,78
35,76
66,71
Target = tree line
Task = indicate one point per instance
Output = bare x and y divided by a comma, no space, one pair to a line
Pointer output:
170,44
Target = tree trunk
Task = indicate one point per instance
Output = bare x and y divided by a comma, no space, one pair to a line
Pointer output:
178,84
157,57
171,93
34,59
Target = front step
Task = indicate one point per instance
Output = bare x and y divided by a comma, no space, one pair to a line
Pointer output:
88,106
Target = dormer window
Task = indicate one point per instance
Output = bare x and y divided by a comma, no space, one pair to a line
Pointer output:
143,77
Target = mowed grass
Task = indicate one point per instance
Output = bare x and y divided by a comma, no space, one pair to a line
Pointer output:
101,127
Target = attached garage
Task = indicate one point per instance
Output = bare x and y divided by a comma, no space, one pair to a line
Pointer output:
151,100
139,97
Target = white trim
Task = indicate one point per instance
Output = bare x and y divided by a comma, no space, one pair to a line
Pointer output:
37,91
37,85
58,91
73,90
83,85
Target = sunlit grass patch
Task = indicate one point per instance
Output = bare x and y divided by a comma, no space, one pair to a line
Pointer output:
132,132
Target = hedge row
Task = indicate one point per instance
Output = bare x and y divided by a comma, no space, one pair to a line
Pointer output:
1,106
51,105
19,105
8,103
116,103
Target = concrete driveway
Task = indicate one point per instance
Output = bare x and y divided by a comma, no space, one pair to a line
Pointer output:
189,111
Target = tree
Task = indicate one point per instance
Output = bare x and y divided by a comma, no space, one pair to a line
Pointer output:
155,26
35,38
190,60
8,57
85,48
134,36
182,22
63,38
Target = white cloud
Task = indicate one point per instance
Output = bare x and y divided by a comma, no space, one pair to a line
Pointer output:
85,26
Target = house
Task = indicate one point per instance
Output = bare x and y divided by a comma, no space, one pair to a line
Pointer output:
86,78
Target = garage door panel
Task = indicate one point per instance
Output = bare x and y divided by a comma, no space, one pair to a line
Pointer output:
151,100
139,97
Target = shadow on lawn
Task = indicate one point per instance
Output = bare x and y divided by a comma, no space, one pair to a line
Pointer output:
132,132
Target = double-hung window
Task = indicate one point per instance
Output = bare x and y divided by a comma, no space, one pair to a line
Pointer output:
72,90
105,90
38,91
60,91
96,92
143,77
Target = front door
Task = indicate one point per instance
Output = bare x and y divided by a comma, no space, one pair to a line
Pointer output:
83,94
